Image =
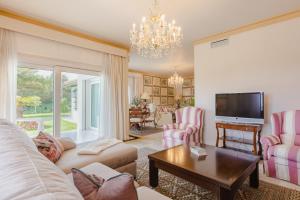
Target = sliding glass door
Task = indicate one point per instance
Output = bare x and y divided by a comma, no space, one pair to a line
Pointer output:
80,106
93,104
35,100
77,96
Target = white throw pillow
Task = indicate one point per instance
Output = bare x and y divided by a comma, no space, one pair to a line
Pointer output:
67,143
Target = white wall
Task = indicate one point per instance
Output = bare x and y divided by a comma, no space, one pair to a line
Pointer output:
265,59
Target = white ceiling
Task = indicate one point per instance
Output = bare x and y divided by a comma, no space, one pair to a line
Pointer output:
112,19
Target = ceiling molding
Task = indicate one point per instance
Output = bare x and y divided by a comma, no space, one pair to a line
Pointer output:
248,27
16,16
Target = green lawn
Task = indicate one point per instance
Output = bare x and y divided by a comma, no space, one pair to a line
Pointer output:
40,115
66,125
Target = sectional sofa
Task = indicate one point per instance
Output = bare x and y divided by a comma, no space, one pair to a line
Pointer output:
26,174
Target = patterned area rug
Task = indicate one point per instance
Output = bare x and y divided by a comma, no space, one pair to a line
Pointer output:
179,189
148,130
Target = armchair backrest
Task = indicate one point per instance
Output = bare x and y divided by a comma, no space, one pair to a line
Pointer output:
286,125
190,115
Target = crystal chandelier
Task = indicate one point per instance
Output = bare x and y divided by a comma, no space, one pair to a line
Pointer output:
155,36
175,80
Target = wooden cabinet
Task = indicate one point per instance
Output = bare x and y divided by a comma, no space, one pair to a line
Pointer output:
254,129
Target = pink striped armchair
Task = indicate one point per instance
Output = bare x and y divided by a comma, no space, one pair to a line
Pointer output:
282,148
187,129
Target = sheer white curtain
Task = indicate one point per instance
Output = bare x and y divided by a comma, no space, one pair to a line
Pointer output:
114,115
135,85
8,64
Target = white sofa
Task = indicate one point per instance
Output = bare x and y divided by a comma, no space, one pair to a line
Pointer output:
27,174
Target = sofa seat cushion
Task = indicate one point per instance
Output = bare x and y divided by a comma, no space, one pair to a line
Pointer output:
287,152
114,157
145,193
285,162
174,134
26,174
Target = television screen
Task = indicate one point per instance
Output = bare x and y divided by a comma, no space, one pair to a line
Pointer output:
241,105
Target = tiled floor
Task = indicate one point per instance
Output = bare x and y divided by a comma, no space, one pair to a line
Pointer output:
154,142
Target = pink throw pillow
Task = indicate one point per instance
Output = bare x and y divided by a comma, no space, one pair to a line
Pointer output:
91,187
48,146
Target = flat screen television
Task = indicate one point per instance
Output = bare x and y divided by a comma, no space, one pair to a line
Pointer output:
240,107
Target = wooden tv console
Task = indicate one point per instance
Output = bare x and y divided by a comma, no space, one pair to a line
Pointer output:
255,129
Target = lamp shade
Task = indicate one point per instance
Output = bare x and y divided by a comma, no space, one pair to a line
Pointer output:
145,96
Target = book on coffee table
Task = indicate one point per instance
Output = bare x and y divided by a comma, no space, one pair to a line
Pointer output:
198,151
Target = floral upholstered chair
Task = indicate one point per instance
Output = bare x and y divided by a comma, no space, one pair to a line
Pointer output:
187,129
282,148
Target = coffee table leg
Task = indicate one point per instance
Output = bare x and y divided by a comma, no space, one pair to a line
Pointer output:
153,174
254,178
225,194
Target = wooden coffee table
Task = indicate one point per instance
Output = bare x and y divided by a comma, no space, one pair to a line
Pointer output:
223,171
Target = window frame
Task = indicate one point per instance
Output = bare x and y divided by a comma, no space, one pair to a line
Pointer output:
57,71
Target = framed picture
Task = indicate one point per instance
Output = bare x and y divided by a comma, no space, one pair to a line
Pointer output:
170,101
163,91
147,80
164,100
187,100
148,89
187,92
170,91
187,83
156,81
149,100
156,100
164,82
156,91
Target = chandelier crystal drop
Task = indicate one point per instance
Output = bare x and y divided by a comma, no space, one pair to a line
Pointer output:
175,80
155,37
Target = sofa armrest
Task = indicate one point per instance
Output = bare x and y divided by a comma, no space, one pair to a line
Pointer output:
268,141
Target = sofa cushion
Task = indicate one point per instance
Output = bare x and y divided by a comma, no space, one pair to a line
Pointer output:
26,173
287,152
99,170
67,143
96,188
114,157
49,146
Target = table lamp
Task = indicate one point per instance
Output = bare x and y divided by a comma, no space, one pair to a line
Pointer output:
145,96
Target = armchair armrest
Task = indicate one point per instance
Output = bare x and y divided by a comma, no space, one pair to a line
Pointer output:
191,129
268,141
